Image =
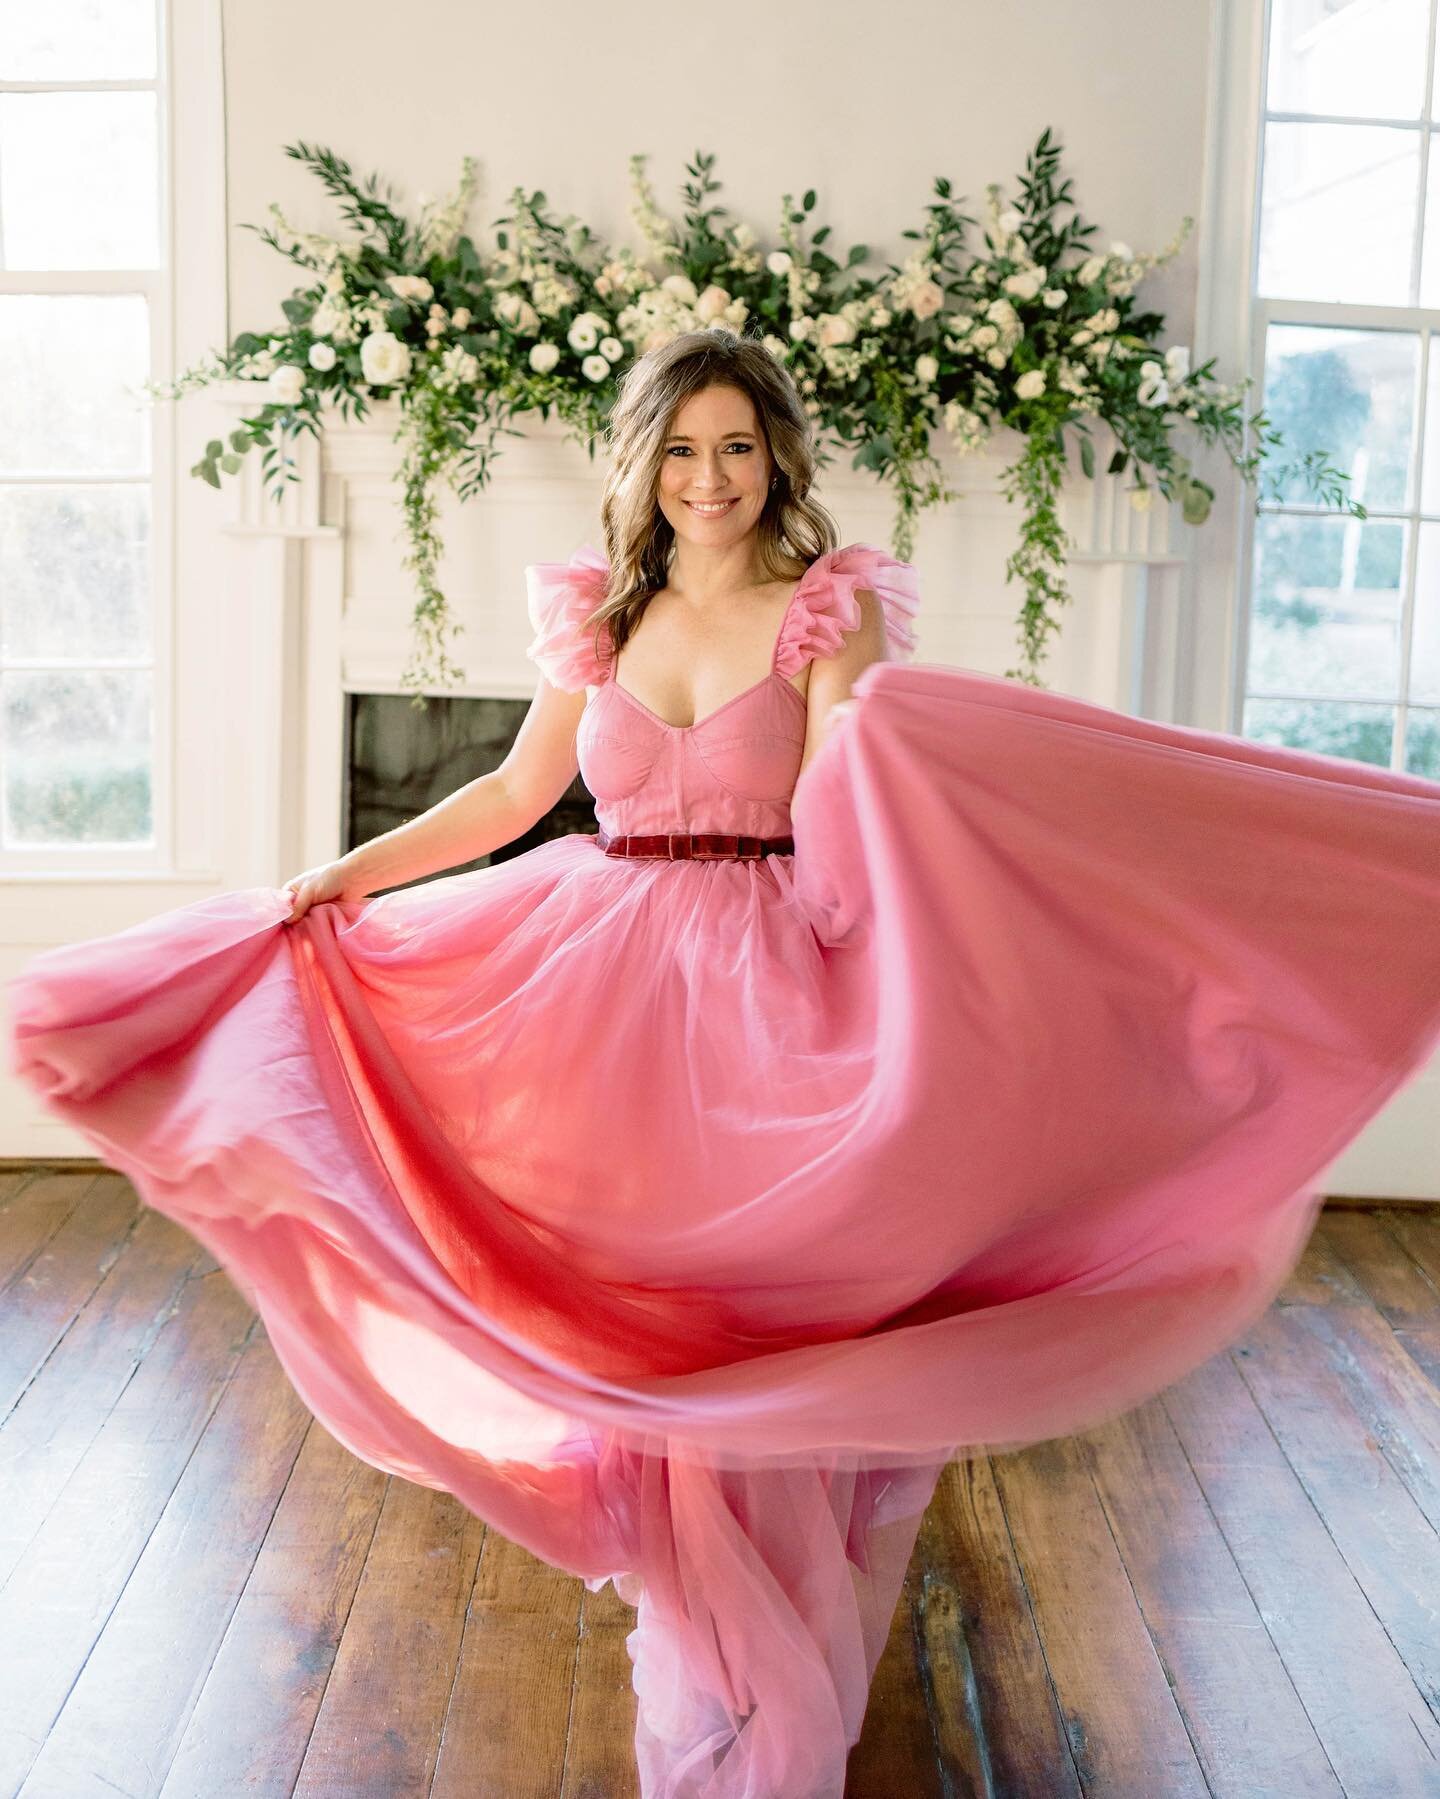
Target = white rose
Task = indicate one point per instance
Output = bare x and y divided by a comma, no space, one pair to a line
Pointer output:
611,349
384,359
543,357
286,384
682,287
1031,384
460,318
1152,390
1054,298
800,328
778,262
1010,220
777,347
1002,312
958,323
1177,361
1140,498
926,369
335,282
411,287
582,335
1122,252
507,307
927,300
1089,271
324,319
1024,285
996,358
322,357
742,236
984,337
595,368
711,303
833,329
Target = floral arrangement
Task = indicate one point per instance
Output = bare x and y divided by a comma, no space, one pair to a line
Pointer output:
1036,332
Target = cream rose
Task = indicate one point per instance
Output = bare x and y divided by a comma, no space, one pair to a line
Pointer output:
286,384
384,359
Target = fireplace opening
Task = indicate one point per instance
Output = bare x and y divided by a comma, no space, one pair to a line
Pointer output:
401,759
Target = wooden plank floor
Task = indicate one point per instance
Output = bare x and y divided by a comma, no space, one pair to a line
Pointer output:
1234,1590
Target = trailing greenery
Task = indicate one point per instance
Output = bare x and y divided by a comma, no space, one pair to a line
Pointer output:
1035,332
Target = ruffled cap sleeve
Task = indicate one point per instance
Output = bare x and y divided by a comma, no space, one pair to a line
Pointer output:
824,607
560,596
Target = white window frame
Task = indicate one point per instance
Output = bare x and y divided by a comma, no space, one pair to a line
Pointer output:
1232,323
187,314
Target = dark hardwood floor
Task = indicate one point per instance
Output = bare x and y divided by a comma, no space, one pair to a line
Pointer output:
1234,1590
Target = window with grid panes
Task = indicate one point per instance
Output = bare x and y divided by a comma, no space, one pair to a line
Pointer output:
82,301
1342,651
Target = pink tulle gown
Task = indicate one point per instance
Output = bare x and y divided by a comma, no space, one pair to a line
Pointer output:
683,1218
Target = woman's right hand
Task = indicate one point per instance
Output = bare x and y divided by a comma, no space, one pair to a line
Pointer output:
330,881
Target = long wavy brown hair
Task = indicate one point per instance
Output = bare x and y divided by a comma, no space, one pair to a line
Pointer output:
639,539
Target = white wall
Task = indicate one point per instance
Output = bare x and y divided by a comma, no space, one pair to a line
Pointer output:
867,104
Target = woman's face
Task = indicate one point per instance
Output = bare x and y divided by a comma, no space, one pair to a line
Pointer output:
715,469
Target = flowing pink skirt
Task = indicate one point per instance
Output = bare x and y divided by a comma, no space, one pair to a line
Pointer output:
684,1218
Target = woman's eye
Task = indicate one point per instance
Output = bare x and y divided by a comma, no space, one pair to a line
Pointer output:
684,449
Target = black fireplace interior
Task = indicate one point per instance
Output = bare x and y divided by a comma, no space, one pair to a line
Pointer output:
400,759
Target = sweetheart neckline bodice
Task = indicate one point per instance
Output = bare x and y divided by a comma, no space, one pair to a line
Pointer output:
697,724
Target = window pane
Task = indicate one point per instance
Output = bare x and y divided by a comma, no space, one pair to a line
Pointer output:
1351,393
1425,644
77,757
1355,57
1326,617
78,40
1430,477
78,187
64,362
1327,727
1430,254
1338,216
74,572
1422,744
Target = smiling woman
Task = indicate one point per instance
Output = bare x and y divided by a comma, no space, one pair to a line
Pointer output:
727,1172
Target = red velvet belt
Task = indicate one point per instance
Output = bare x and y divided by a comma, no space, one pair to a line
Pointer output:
696,846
